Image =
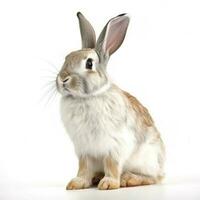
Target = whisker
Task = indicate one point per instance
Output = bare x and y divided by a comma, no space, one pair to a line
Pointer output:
47,93
49,83
52,97
51,72
52,65
50,77
49,89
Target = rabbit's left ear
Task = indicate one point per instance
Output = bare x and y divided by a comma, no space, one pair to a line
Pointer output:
87,32
112,35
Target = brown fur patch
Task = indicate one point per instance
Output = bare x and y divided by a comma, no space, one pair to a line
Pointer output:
73,83
63,75
141,111
75,57
111,168
83,167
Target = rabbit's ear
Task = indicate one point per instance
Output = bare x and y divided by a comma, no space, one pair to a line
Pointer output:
112,35
87,32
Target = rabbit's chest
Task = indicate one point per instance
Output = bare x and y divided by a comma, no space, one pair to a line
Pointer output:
93,116
96,126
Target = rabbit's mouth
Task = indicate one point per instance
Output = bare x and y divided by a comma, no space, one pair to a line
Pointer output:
65,89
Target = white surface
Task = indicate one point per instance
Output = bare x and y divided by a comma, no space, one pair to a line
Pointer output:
158,63
183,189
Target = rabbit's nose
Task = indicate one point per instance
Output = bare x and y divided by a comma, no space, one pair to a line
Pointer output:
66,79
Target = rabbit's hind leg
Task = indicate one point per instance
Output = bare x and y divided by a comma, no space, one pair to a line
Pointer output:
129,179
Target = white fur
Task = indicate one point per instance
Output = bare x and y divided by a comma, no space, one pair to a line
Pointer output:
103,124
145,160
93,125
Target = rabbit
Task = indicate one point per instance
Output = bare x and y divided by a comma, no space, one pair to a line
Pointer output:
114,136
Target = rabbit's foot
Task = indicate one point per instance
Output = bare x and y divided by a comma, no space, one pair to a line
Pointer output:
78,183
108,183
129,179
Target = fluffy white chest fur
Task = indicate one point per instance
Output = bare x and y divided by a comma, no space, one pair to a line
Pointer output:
98,125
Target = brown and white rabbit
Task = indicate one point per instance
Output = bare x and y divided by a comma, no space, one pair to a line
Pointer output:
114,136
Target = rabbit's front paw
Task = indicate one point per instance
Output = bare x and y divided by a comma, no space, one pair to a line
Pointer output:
78,183
108,183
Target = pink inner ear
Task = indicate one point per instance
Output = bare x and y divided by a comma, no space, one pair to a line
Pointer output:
115,35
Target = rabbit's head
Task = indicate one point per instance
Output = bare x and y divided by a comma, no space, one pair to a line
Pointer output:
84,71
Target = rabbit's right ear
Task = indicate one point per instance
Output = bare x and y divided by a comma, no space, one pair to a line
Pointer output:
87,32
112,36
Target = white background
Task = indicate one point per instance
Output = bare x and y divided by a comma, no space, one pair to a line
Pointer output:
158,63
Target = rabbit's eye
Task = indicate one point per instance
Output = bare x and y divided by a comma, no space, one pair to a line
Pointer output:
89,63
